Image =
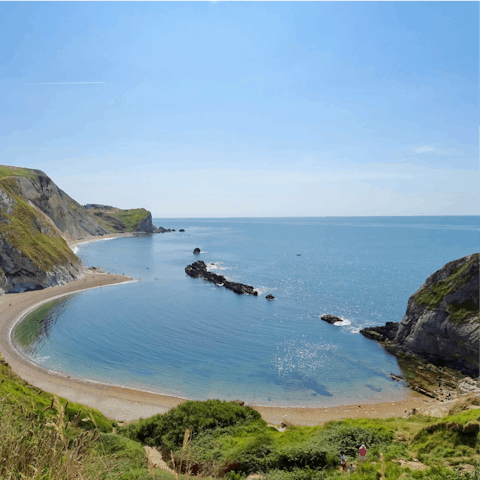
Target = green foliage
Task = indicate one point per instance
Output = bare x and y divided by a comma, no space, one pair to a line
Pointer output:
131,218
15,391
119,457
348,436
296,474
434,294
459,313
167,431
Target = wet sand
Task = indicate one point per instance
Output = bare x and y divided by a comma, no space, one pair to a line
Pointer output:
125,404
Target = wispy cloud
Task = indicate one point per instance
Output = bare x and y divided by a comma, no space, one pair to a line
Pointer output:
436,150
423,149
66,83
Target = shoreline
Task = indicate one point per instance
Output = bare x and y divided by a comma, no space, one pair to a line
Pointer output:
126,404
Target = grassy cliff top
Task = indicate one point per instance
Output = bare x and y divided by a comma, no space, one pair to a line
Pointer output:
132,217
432,294
115,218
6,171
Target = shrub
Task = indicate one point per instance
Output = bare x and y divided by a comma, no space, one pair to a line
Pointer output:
167,431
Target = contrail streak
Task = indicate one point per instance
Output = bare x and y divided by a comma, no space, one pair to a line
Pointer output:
66,83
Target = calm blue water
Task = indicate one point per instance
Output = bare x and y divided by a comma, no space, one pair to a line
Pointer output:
177,335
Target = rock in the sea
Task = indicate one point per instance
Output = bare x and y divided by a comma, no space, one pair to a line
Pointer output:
387,332
269,296
331,319
196,251
181,230
442,321
199,270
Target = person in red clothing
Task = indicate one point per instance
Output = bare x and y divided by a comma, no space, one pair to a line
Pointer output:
362,452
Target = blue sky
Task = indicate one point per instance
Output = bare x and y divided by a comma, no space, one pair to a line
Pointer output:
216,109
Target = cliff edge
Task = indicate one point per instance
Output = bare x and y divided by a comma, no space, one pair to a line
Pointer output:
442,321
33,251
117,221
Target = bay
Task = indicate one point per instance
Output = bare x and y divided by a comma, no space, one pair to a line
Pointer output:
172,334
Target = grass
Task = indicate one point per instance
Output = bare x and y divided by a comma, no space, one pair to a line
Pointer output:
434,294
23,232
131,218
460,313
45,437
16,172
305,453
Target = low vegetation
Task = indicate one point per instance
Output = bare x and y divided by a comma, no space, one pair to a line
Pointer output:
46,437
16,172
234,446
433,294
117,220
131,218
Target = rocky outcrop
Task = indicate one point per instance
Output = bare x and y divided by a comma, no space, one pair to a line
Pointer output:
331,319
199,270
196,251
33,254
442,321
136,220
20,273
387,332
269,297
145,225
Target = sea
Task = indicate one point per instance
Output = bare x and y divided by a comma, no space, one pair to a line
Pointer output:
176,335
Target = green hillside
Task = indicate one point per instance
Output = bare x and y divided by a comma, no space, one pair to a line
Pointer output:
46,437
131,218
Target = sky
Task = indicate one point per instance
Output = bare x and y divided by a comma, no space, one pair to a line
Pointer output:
246,109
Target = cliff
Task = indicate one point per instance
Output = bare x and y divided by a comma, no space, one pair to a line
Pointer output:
37,219
33,252
117,220
442,321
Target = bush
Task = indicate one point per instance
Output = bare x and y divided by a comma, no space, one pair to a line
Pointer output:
167,431
348,437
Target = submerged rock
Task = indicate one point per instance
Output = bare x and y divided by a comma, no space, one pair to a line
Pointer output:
331,319
269,296
199,270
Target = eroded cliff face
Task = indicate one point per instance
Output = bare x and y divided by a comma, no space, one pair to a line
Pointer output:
136,220
36,220
72,220
442,321
33,253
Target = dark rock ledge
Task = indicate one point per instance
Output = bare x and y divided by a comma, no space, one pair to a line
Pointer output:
199,270
331,319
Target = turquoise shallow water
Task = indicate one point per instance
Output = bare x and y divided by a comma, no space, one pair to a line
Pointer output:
173,334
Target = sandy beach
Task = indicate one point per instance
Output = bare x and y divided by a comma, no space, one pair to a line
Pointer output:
124,404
